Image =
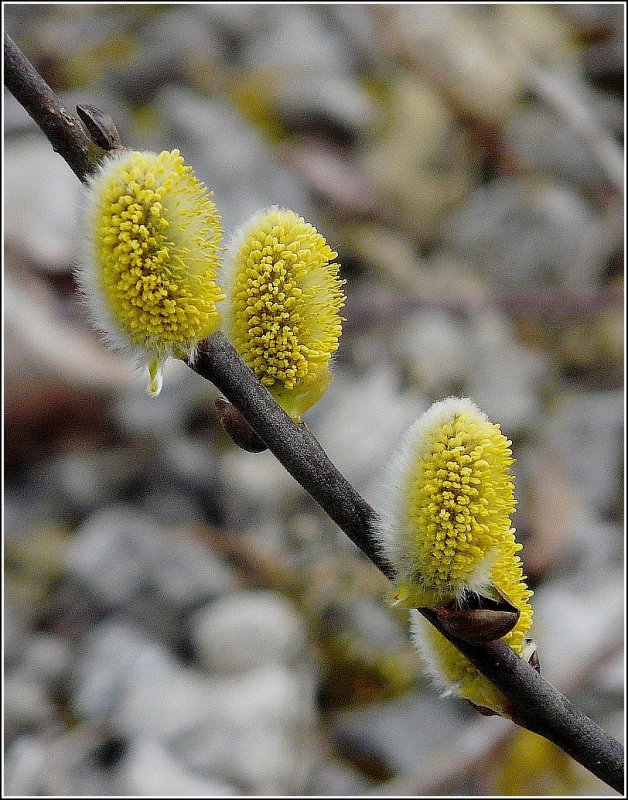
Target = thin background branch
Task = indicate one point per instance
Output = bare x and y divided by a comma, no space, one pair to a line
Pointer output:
536,704
566,97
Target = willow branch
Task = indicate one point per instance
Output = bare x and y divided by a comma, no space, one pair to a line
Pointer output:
291,444
64,131
536,704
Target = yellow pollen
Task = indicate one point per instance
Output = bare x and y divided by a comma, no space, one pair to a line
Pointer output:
459,504
452,535
155,240
285,303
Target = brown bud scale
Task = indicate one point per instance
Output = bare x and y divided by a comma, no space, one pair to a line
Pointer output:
237,428
478,619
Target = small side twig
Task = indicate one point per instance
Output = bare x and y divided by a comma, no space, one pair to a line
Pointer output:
536,704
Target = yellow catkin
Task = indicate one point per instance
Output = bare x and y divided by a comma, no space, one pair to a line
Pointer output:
151,257
447,533
459,501
284,297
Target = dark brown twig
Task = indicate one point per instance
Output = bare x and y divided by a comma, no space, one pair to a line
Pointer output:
535,704
292,444
65,132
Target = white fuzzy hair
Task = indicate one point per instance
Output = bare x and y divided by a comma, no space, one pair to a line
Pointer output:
420,629
87,270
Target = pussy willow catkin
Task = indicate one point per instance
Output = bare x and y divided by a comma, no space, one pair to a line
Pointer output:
446,531
283,302
150,257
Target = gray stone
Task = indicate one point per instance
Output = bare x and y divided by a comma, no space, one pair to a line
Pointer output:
270,761
26,704
360,421
408,735
68,765
584,433
544,142
335,779
88,477
528,234
247,729
39,230
193,42
172,505
38,334
46,658
576,617
194,461
116,659
297,43
504,377
256,488
357,25
24,767
368,619
161,419
247,629
173,705
238,20
398,734
151,770
433,345
15,631
119,552
338,99
16,119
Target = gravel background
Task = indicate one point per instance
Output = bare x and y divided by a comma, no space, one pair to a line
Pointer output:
180,618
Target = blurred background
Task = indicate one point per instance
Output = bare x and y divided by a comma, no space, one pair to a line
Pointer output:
180,617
